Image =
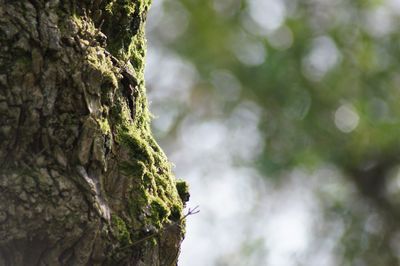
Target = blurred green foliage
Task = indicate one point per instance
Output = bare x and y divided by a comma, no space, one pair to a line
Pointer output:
326,77
321,57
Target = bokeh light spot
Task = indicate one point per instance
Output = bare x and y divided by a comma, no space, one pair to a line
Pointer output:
346,118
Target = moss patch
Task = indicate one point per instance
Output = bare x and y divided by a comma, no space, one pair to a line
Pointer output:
120,230
99,61
123,20
104,126
183,190
153,184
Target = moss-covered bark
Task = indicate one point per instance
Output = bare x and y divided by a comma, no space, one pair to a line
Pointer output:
82,181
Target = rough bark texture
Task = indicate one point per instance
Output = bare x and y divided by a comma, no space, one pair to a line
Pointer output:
82,182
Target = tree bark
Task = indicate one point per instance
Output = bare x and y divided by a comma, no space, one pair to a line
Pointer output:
82,181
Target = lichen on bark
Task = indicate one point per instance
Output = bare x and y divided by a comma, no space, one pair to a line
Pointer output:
82,180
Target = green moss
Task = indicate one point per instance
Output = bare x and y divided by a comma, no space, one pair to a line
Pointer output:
99,61
176,213
154,188
124,25
183,190
138,147
154,194
121,7
95,54
104,126
120,230
78,21
136,51
160,210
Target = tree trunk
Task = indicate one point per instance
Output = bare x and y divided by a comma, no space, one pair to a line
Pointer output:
82,182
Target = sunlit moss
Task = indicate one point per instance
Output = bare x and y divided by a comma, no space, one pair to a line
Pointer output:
104,126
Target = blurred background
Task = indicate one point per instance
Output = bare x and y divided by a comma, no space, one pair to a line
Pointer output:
284,117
